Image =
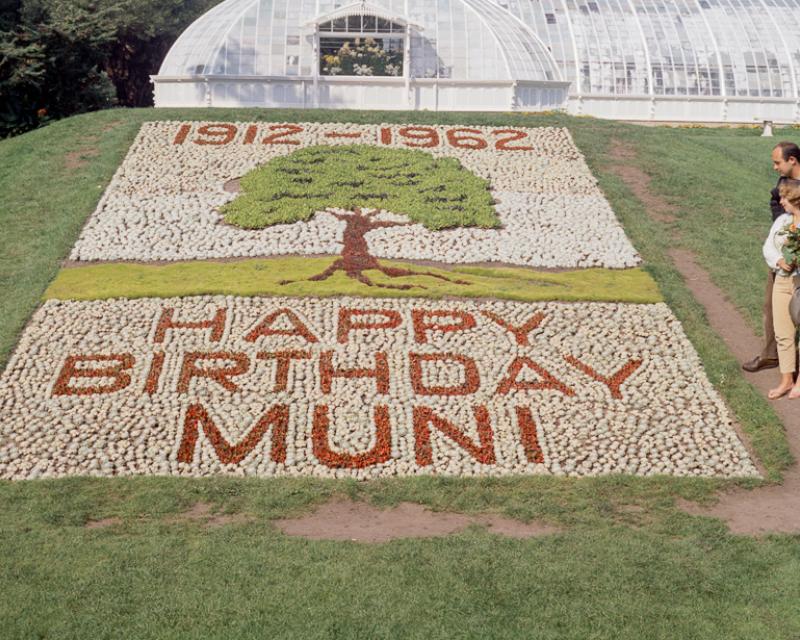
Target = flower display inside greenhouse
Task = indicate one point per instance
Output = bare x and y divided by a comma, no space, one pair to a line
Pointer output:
357,301
361,58
706,60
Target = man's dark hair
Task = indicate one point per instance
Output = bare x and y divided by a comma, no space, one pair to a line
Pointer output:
789,150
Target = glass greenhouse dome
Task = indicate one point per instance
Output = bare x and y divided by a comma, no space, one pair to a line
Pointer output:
691,60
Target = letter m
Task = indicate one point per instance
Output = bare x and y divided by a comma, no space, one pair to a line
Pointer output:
276,417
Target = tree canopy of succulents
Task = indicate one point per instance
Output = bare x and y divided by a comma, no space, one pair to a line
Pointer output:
438,193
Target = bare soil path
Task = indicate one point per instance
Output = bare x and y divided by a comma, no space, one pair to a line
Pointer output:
342,519
772,509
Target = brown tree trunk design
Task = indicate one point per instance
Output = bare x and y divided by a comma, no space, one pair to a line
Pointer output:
356,257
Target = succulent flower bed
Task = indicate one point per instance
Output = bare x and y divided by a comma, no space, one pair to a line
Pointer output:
165,201
261,381
359,388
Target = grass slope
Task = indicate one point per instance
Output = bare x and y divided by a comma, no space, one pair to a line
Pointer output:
613,572
262,277
719,183
628,565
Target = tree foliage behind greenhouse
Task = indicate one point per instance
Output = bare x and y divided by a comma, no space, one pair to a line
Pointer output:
62,57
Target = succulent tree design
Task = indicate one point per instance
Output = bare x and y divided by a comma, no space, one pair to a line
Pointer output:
354,183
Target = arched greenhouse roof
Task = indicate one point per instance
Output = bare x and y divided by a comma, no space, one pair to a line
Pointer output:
458,39
639,59
670,47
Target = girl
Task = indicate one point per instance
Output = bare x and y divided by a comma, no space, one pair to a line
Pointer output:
782,291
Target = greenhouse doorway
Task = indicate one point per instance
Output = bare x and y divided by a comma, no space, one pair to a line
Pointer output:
361,45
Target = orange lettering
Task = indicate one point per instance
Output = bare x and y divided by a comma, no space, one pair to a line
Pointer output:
216,324
277,417
284,359
422,322
154,375
221,375
264,328
614,382
380,452
528,435
425,418
520,333
548,381
346,323
472,380
71,370
327,372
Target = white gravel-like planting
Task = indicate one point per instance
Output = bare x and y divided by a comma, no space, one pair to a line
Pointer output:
163,201
259,386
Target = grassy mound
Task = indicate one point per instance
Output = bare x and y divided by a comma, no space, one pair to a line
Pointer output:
628,565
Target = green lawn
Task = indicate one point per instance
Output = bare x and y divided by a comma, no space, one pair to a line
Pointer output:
628,564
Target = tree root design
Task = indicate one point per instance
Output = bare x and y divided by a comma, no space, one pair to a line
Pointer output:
356,258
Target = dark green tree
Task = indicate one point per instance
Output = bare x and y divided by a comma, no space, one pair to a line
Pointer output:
9,14
61,57
354,183
22,77
145,33
51,64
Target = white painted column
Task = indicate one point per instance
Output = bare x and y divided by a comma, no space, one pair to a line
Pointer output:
315,72
407,67
207,87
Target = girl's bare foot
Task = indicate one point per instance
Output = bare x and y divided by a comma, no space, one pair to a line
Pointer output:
782,390
795,392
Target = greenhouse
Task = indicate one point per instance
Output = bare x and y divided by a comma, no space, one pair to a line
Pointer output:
679,60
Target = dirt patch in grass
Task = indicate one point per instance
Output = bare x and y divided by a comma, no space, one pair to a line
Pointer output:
233,186
79,159
203,513
103,523
343,519
110,126
773,509
628,169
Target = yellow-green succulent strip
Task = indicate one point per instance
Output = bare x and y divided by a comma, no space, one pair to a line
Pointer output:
265,277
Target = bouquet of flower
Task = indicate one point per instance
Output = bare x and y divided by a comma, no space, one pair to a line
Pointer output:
791,246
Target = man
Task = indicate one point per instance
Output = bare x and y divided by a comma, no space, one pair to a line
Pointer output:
785,161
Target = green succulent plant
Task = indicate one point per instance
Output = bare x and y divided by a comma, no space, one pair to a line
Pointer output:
438,193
